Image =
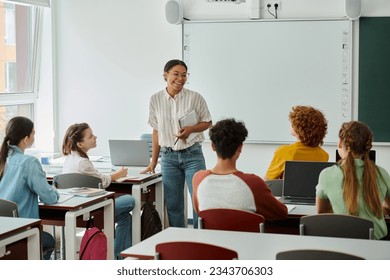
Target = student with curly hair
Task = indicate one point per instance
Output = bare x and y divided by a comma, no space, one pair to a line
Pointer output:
356,186
309,126
224,186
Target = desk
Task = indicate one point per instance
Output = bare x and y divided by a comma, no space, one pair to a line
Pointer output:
260,246
68,212
135,187
12,233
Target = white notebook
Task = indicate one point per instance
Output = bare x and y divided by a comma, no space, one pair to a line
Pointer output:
189,119
84,191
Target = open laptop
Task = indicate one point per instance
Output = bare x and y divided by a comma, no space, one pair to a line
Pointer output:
129,152
371,155
300,181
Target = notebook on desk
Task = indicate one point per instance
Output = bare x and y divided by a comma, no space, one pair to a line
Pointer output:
129,152
300,181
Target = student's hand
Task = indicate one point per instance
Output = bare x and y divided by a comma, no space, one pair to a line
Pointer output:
122,172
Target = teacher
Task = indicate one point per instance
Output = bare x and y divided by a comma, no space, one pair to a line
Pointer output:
180,147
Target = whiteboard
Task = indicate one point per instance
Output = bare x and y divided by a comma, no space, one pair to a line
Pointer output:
255,71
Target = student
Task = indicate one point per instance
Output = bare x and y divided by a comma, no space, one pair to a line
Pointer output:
224,186
78,140
22,179
181,150
309,126
357,186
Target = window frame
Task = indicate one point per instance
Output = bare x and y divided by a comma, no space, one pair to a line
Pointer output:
29,97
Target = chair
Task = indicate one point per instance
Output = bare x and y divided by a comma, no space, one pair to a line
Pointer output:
231,219
334,225
76,180
8,208
193,251
72,180
315,255
276,186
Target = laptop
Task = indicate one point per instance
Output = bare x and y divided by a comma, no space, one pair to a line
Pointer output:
300,181
129,152
371,155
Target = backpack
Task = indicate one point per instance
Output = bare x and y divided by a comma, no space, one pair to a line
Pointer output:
150,220
93,244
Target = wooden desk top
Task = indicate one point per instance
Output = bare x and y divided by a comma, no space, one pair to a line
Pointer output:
260,246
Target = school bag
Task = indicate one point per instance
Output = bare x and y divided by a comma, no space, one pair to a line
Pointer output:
93,244
150,220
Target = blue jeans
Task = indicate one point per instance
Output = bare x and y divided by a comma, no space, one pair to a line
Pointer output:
48,245
176,168
123,237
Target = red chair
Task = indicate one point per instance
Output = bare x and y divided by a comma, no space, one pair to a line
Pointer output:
193,251
231,219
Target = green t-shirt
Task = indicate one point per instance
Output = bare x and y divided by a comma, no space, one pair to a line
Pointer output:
330,186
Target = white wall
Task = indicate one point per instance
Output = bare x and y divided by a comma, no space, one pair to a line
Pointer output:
110,56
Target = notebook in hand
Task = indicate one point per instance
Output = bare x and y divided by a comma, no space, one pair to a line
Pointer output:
129,152
300,181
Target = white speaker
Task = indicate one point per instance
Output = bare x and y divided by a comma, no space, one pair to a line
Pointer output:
353,8
174,11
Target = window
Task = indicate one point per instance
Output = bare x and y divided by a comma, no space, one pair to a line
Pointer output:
18,49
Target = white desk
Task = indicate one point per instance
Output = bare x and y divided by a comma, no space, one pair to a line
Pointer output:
15,229
260,246
135,187
68,212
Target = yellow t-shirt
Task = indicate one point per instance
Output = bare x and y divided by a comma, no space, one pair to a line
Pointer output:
296,151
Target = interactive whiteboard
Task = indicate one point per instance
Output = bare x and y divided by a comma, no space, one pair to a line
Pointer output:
255,71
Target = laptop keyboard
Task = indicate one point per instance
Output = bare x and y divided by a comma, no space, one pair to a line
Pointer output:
299,200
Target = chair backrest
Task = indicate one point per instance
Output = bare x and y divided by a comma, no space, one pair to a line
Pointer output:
334,225
276,186
193,251
315,255
148,138
8,208
231,219
76,180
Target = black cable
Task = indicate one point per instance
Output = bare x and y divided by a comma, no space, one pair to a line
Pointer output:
276,5
269,6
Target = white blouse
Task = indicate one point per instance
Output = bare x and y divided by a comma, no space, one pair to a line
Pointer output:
74,163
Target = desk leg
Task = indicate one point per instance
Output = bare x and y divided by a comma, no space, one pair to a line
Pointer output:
136,214
33,242
70,228
159,191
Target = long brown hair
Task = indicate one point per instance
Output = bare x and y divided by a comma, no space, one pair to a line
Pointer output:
357,138
73,135
17,129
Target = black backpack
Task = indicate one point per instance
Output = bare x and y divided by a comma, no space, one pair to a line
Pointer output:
150,220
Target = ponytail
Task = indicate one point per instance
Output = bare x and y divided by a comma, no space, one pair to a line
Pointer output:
3,155
17,129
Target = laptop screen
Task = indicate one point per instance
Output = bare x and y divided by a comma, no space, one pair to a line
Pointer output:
129,152
301,178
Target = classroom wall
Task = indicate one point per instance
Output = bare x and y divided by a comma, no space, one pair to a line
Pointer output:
110,55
